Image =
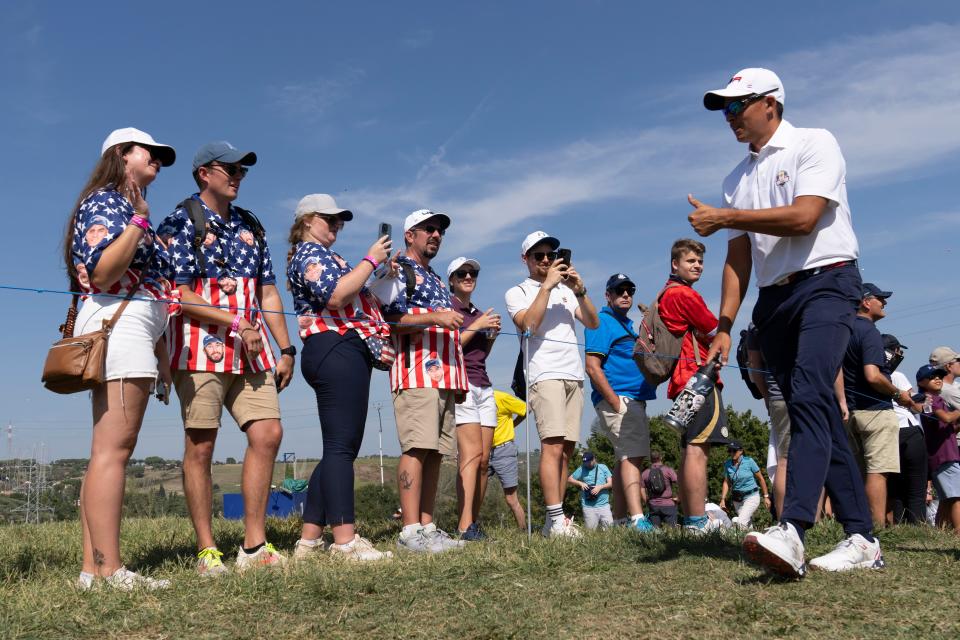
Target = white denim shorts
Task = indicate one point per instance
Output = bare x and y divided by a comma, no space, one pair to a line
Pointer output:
478,407
130,348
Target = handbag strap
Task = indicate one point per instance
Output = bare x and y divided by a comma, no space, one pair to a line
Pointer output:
66,329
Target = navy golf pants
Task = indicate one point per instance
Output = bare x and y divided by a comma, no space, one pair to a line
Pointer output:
804,328
338,369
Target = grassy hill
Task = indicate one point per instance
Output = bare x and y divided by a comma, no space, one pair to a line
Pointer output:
610,584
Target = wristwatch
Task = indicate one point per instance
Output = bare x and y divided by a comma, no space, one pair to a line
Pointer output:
289,351
581,294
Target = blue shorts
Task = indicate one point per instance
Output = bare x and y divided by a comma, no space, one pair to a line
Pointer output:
946,479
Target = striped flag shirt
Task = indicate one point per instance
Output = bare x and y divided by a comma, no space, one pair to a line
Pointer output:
235,264
431,358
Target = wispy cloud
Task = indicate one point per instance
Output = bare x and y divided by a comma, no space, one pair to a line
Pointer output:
854,87
311,100
417,39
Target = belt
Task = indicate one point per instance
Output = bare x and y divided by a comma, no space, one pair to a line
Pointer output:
798,276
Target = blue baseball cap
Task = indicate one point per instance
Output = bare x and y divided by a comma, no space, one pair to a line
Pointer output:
210,339
871,290
588,456
928,371
618,279
222,151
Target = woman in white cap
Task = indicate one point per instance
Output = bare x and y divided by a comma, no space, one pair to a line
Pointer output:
477,415
111,252
344,336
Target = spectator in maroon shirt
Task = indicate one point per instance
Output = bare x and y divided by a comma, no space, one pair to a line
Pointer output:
477,414
940,426
662,505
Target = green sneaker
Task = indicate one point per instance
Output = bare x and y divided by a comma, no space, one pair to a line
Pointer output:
209,563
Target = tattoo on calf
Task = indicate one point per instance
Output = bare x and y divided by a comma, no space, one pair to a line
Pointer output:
406,482
98,557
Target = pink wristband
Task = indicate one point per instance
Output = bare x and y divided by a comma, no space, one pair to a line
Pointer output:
141,222
372,261
236,323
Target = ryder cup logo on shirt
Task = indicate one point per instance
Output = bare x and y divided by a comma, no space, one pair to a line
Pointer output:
782,178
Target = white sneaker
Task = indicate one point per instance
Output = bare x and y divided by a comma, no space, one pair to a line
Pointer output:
852,553
564,528
265,556
711,525
125,580
439,540
305,549
359,549
84,582
778,550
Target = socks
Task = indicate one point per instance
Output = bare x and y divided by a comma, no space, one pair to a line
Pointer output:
307,543
252,550
554,511
637,518
410,530
696,521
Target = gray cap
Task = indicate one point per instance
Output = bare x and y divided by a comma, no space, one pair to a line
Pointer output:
222,151
321,203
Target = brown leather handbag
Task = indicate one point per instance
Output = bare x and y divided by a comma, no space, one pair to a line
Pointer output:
78,363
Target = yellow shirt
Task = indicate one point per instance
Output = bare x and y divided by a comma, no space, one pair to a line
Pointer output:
508,406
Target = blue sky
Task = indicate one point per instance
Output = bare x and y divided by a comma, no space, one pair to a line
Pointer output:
584,119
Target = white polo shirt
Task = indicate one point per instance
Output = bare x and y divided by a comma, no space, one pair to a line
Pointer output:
795,162
554,348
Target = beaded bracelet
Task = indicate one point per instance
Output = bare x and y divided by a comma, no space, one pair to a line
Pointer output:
371,261
140,221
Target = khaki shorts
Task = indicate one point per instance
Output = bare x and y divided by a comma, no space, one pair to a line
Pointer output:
780,426
204,394
628,429
558,406
875,440
426,419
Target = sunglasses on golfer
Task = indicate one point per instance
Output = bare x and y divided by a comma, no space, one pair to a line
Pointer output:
737,107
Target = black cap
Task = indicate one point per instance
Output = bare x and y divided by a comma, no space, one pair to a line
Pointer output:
734,445
588,456
618,279
891,343
871,290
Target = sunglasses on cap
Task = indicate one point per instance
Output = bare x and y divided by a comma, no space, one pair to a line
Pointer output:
232,170
539,256
430,229
463,273
737,107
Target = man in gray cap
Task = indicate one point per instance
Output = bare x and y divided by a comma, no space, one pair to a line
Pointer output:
872,425
223,269
948,360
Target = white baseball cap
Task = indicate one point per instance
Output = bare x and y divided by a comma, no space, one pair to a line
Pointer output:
420,215
536,238
744,83
320,203
456,263
164,152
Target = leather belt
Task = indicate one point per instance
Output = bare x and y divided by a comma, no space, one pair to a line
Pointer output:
798,276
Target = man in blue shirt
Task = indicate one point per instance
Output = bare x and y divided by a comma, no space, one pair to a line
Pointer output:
620,396
873,426
594,480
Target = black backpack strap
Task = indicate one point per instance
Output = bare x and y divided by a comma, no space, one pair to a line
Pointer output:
195,211
259,233
410,278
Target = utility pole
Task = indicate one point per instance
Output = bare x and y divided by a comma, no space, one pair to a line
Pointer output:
378,406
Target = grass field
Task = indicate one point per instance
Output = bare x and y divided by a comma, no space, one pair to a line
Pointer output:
610,584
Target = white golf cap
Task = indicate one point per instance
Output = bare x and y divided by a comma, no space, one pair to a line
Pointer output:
164,152
744,83
420,215
536,238
456,263
323,204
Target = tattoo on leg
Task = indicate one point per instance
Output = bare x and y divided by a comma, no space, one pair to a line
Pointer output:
98,557
406,482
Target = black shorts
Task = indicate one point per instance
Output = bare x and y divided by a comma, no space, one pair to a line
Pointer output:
709,426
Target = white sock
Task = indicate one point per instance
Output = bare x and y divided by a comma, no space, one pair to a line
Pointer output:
636,517
307,542
555,511
411,530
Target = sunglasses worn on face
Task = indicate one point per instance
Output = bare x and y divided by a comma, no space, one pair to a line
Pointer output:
538,256
737,107
629,290
463,273
232,170
430,229
333,222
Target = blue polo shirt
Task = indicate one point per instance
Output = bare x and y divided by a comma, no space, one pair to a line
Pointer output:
595,476
741,476
613,342
865,347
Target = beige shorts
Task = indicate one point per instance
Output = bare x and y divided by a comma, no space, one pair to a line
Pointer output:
780,426
558,406
426,419
204,394
627,429
875,440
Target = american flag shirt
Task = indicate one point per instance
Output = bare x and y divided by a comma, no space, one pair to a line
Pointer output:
432,358
103,215
313,274
235,265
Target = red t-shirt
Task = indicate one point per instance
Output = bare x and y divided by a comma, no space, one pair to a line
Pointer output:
682,309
